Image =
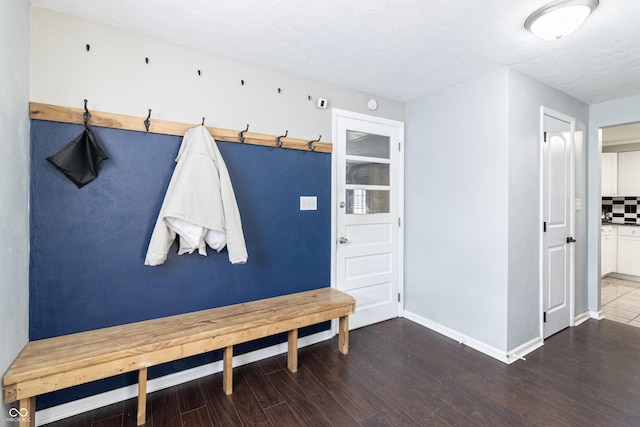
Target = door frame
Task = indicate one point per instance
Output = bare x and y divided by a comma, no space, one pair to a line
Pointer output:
616,112
339,113
545,111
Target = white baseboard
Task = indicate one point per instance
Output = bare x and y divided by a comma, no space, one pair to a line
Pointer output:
598,315
521,351
501,355
624,277
457,336
90,403
581,318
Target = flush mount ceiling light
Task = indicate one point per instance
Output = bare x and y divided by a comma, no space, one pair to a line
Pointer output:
559,18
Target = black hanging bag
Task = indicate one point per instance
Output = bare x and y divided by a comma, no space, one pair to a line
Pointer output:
79,159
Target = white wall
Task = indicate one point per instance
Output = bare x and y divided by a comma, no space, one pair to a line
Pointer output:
526,96
473,209
456,208
14,184
618,111
114,77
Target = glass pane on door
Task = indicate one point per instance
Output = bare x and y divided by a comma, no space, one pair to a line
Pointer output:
368,145
362,201
363,173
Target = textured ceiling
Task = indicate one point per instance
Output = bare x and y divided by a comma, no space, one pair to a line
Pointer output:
400,49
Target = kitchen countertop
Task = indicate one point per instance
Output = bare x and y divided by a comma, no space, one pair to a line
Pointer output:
621,224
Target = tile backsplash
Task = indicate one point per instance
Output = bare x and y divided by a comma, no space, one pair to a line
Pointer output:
622,210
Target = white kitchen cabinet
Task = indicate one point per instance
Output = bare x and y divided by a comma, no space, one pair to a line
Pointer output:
629,173
608,250
609,174
629,250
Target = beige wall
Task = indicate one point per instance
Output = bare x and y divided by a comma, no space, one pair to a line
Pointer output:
114,77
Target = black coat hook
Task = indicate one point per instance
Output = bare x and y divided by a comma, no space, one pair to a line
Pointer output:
279,138
147,122
88,46
312,145
241,134
87,114
203,121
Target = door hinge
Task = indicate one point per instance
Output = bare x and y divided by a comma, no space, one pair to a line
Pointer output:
544,135
544,316
399,222
398,296
544,226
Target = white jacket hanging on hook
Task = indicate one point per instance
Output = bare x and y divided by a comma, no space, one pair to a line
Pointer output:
200,205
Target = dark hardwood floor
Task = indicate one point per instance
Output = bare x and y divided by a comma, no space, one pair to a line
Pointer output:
401,374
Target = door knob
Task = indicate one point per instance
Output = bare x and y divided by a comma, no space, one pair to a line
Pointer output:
343,240
570,239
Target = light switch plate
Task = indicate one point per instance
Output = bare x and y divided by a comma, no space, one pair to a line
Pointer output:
308,203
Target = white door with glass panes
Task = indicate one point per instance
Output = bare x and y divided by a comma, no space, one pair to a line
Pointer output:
368,234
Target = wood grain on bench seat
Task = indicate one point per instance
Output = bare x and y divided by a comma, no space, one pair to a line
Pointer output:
56,363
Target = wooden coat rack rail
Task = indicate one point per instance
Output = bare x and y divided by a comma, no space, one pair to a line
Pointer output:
60,114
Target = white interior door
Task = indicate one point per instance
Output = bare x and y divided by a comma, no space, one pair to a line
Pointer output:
368,215
558,224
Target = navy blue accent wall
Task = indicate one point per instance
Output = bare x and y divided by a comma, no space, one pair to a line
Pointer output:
88,245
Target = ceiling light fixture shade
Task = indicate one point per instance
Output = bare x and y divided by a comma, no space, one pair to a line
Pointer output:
559,18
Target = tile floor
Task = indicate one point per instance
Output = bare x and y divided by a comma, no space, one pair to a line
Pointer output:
620,300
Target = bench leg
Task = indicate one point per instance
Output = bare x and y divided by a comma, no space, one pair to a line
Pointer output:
142,396
28,409
343,338
292,355
227,370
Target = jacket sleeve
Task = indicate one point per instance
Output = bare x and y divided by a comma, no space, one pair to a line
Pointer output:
236,245
161,240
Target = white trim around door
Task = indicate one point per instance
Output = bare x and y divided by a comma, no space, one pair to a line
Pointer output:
395,128
571,122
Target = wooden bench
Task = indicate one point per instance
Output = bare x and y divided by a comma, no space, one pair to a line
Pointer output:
56,363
